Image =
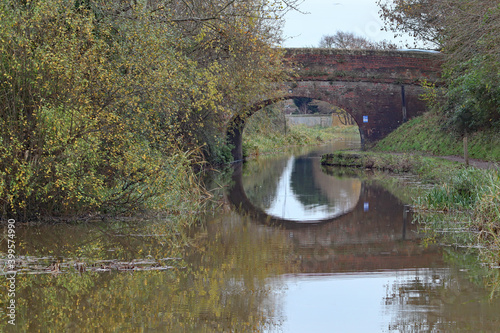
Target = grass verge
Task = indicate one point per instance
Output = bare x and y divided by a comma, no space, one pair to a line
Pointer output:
257,143
426,134
429,169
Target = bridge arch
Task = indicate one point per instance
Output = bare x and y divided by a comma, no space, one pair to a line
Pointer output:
379,89
237,124
237,196
374,231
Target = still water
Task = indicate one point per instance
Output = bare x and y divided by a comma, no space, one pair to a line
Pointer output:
297,248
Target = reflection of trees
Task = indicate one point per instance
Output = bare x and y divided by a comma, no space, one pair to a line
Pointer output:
312,186
222,286
265,174
100,241
439,300
303,185
409,298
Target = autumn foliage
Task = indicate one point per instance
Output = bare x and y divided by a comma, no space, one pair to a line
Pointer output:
106,105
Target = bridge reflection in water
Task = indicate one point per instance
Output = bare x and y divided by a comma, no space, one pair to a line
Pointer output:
305,193
337,222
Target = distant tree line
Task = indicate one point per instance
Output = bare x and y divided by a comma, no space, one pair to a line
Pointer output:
349,40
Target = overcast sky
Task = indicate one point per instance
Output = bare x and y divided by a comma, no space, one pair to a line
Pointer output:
326,17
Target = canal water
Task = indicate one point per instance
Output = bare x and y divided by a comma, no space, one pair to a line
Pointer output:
296,248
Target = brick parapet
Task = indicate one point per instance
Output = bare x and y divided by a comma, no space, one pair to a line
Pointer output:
385,66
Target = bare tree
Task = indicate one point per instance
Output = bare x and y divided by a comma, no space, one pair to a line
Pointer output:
348,40
422,19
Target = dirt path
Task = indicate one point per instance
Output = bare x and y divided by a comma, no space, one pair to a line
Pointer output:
473,162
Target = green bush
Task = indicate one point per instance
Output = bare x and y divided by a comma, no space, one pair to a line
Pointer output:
89,115
474,94
460,193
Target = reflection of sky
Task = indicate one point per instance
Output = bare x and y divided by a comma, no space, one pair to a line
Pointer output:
287,205
346,302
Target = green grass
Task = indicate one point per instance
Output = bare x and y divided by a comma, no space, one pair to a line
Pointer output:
464,206
425,134
461,191
429,169
465,213
256,143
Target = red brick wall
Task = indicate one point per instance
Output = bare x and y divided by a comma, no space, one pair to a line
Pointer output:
365,83
407,67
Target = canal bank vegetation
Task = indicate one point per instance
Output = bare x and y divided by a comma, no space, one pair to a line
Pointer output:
464,213
267,132
109,108
463,118
296,135
461,208
428,134
429,169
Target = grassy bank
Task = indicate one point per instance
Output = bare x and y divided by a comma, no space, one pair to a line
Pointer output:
429,169
256,143
427,134
462,209
464,212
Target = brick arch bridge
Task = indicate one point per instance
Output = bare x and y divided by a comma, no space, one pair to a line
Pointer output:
379,89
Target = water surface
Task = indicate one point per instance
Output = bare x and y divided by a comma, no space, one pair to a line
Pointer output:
300,248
